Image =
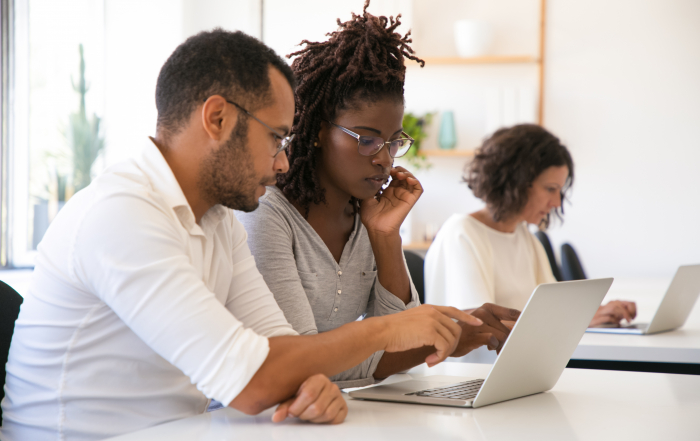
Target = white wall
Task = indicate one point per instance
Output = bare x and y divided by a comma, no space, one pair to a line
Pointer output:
287,23
139,37
469,91
623,93
237,15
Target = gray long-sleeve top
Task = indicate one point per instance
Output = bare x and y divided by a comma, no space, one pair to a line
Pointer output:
315,292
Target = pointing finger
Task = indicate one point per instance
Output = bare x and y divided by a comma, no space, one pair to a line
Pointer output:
459,315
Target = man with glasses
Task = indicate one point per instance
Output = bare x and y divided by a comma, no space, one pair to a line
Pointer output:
146,303
282,140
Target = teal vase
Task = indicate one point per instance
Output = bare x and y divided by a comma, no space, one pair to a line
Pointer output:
447,137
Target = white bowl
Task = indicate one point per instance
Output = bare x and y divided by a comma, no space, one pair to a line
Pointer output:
473,38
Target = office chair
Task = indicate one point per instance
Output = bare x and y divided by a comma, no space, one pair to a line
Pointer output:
415,270
571,268
544,239
9,310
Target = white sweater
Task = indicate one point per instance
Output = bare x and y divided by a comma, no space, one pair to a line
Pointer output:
470,264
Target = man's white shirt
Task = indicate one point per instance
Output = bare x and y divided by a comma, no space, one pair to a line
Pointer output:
136,315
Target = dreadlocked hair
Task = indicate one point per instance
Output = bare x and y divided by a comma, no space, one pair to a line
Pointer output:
362,60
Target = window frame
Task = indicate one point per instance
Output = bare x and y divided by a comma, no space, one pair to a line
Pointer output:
14,196
6,78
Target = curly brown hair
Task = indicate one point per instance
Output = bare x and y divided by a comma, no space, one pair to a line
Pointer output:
363,60
507,164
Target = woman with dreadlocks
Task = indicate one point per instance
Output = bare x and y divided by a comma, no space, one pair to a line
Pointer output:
326,238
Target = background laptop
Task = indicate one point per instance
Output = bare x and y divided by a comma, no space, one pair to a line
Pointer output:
532,360
673,310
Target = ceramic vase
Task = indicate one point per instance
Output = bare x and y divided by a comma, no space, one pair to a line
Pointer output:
447,137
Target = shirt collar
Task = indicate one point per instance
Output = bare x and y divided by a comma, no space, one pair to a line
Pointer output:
163,181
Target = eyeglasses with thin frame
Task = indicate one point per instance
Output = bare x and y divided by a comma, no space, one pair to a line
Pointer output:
371,145
284,141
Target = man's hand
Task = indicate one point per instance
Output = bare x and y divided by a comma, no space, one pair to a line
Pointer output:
426,325
317,400
493,333
614,312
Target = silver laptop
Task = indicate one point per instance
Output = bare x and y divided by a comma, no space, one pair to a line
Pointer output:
673,310
531,361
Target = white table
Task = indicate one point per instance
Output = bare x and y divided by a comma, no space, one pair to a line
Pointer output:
681,346
678,346
584,405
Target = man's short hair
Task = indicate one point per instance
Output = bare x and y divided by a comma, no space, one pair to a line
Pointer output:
231,64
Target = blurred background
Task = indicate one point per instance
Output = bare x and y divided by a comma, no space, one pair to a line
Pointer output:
616,80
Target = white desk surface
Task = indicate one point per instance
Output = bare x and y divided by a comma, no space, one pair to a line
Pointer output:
584,405
678,346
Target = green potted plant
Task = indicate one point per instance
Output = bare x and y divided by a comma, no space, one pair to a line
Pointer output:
414,126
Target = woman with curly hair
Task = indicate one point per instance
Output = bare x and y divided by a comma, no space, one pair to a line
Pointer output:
326,237
522,174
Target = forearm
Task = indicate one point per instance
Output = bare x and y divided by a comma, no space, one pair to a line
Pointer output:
391,270
394,362
293,359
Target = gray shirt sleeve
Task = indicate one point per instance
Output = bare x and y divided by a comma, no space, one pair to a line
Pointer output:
270,240
383,302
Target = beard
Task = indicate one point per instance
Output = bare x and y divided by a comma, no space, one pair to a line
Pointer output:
227,176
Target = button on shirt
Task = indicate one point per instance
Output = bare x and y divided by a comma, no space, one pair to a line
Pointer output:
136,315
316,293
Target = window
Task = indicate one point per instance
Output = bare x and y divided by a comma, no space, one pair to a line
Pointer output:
46,129
57,99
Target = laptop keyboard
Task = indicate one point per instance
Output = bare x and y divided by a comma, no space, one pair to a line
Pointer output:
460,391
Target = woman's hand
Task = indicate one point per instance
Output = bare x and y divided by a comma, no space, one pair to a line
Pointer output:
384,213
614,312
498,321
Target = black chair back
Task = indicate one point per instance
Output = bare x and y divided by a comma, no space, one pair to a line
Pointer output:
10,302
571,268
415,270
544,239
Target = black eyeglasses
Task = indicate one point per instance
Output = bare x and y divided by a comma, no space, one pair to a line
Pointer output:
371,145
284,141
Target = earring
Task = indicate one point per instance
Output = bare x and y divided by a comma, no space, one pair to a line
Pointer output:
315,143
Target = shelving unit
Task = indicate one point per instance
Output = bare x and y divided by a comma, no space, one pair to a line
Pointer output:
461,153
509,85
538,60
417,246
520,64
491,59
